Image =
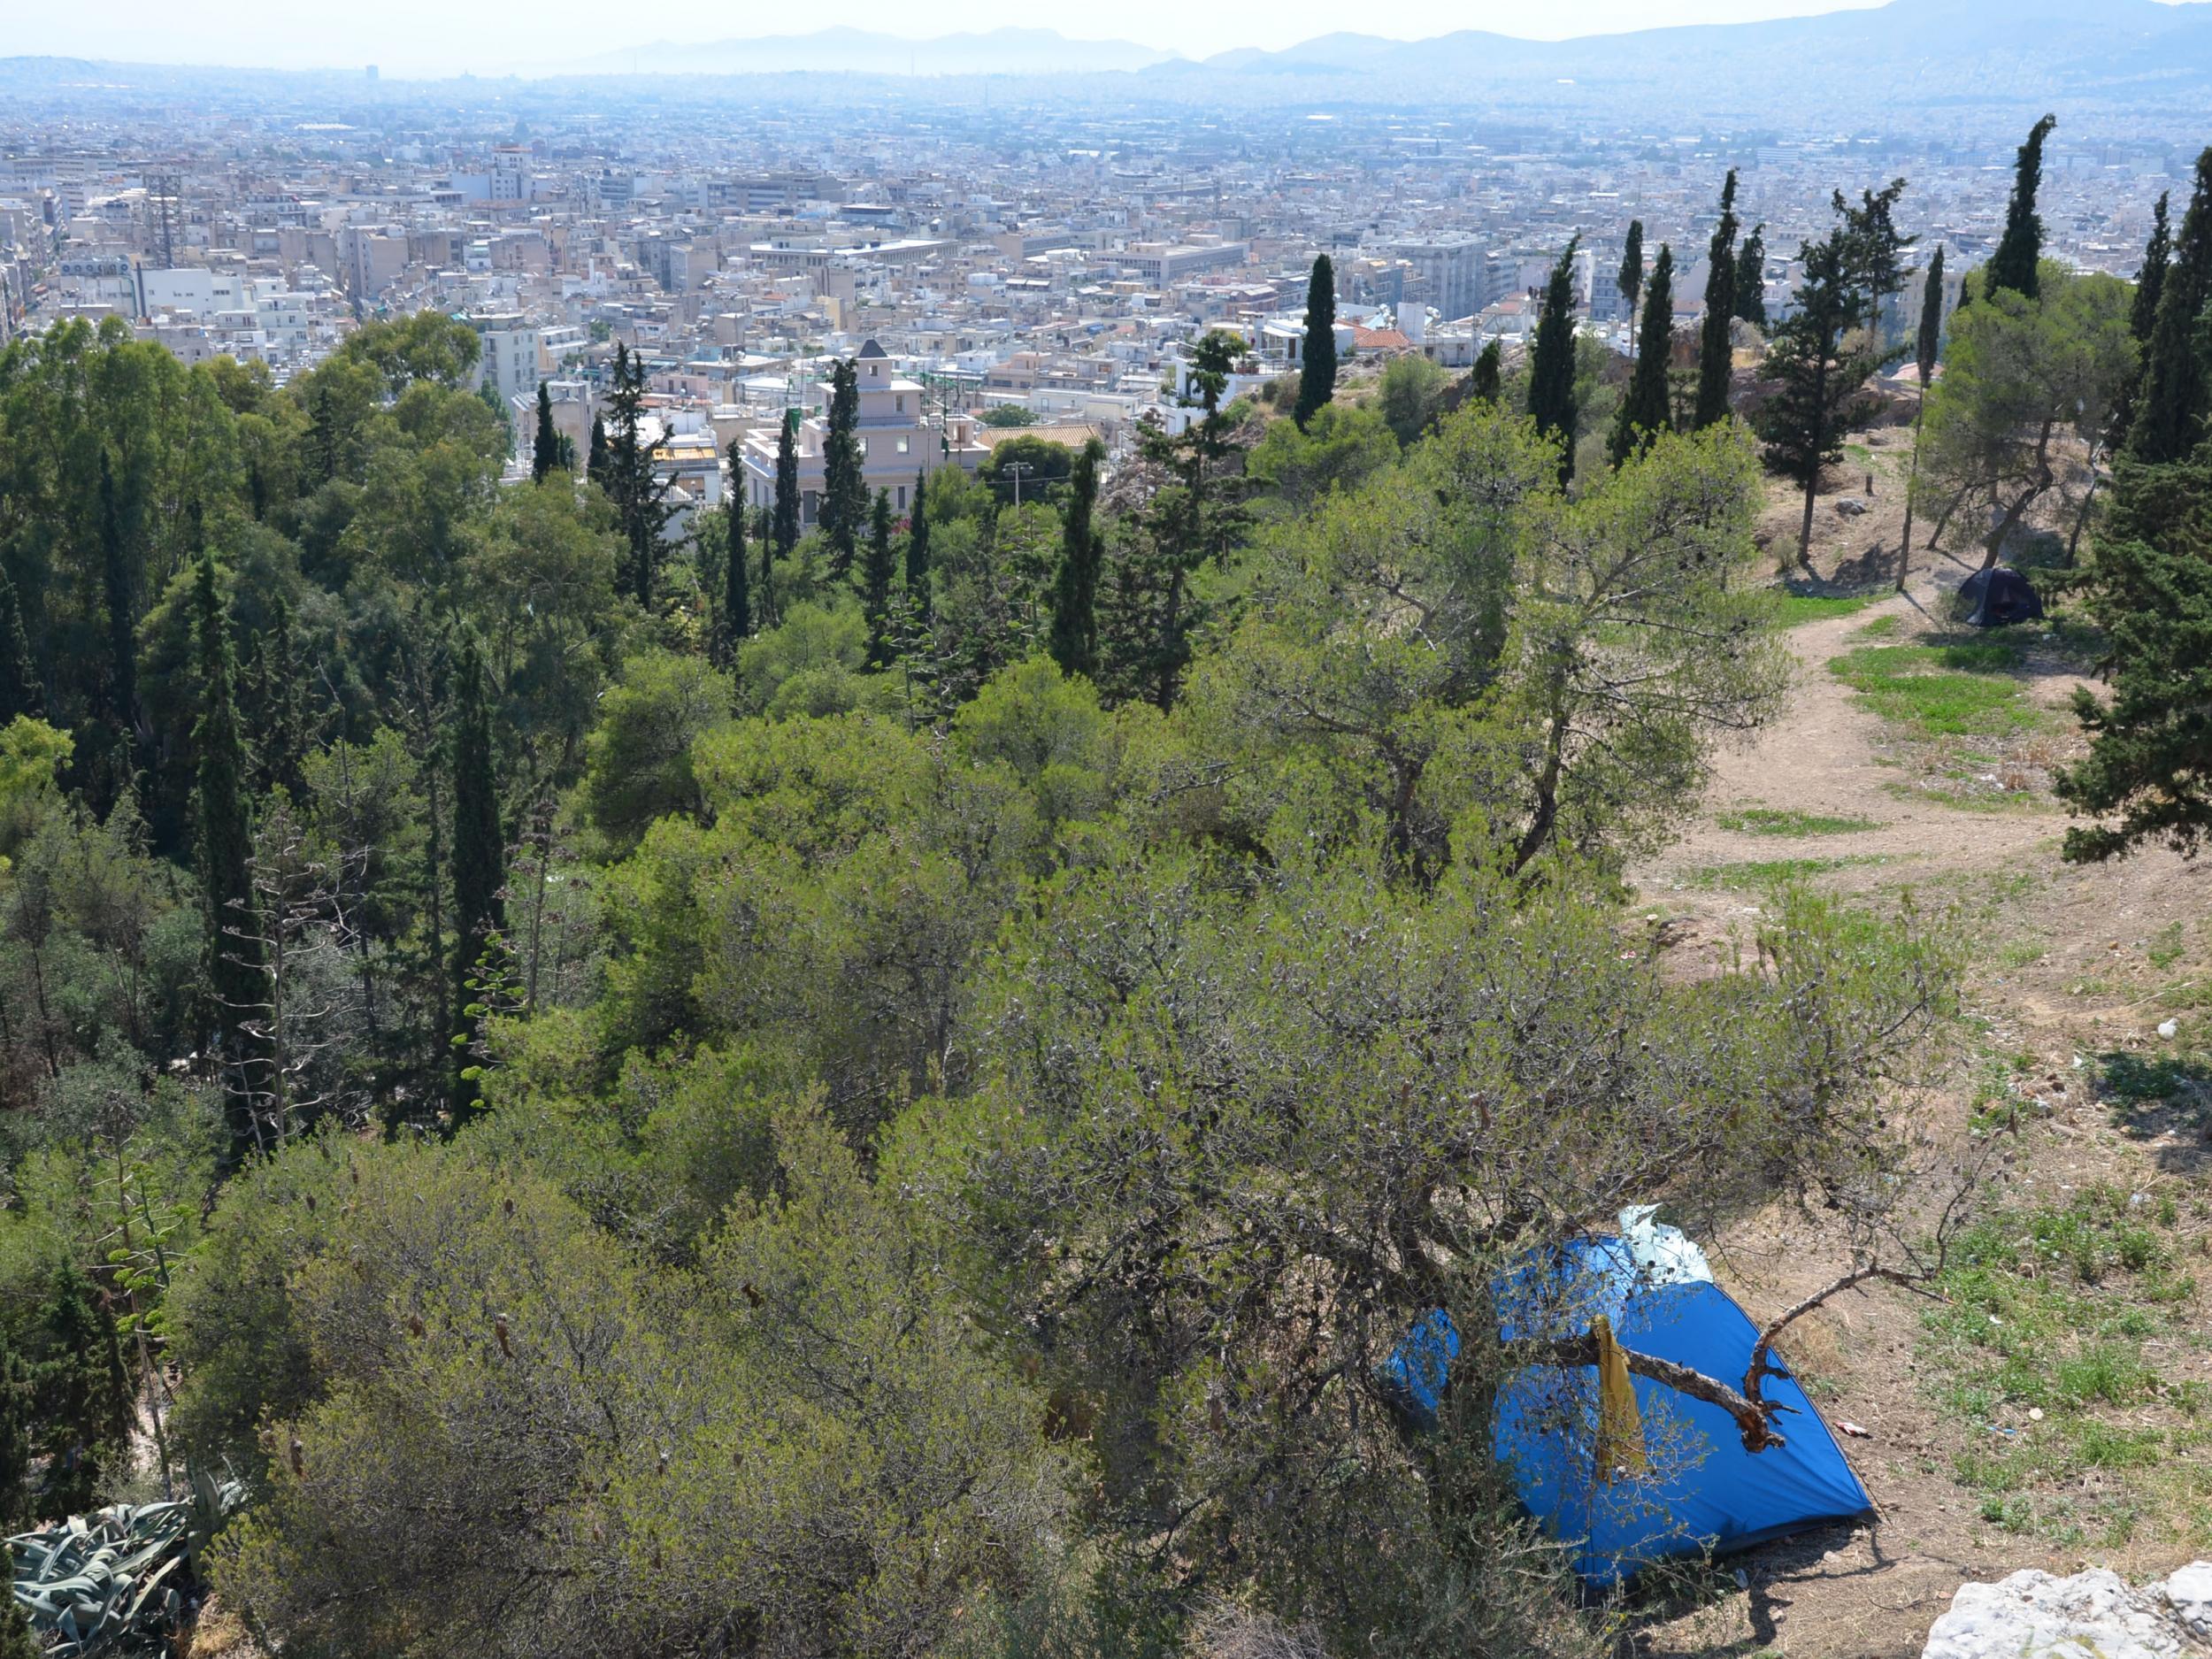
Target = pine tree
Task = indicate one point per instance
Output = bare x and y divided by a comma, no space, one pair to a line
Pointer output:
2170,408
1924,348
785,535
1716,347
119,583
1751,279
1801,422
20,693
545,449
1874,253
1486,381
917,543
877,572
1551,381
1646,411
737,575
2019,252
1317,374
2149,773
2150,284
231,966
596,461
1074,637
1631,277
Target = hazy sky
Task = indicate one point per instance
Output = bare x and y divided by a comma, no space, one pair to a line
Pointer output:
448,37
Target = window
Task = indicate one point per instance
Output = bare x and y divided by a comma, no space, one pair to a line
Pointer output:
902,498
898,404
901,446
864,446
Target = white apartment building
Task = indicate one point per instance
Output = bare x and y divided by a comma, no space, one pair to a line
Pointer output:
899,440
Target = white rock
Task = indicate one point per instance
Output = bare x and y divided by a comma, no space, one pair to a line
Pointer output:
2167,1027
2092,1614
2189,1592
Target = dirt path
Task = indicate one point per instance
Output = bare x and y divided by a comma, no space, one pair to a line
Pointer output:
2064,965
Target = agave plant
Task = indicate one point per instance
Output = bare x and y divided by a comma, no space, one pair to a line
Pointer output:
114,1583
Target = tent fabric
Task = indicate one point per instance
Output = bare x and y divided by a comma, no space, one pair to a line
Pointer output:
1997,596
1704,1492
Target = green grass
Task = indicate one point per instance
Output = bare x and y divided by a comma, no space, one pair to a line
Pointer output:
1772,872
1762,821
1766,820
1971,800
1794,610
2053,1308
1963,689
1881,628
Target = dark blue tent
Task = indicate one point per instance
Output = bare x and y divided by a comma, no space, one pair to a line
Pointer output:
1703,1492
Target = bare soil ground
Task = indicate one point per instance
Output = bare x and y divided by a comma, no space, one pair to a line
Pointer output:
2068,965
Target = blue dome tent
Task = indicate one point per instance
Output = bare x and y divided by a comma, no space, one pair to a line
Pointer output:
1702,1491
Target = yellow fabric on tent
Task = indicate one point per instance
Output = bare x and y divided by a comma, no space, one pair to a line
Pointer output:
1620,1425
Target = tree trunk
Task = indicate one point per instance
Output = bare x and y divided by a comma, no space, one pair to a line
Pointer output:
1912,484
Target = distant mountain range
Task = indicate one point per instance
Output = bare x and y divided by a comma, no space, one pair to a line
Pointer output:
1974,68
1008,51
1930,56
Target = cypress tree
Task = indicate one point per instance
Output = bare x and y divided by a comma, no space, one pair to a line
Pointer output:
17,1413
1924,348
2150,281
16,1639
596,461
545,449
20,693
1646,411
1751,279
640,494
2014,265
2150,284
1716,351
1551,381
1486,381
278,717
119,583
81,1388
1317,375
917,542
230,963
1630,279
844,484
479,860
1074,638
876,573
786,522
737,575
2170,407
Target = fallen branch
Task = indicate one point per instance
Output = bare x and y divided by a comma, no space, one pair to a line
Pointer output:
1761,1368
1753,1415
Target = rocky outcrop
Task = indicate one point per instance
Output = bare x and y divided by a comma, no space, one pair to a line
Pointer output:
2092,1614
